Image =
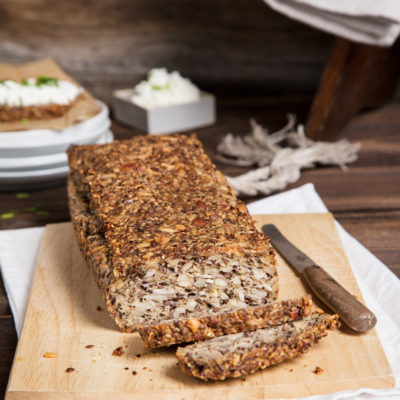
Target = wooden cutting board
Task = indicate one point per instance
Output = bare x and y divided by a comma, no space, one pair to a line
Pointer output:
64,317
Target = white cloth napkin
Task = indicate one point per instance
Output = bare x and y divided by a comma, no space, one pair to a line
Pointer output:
379,286
375,22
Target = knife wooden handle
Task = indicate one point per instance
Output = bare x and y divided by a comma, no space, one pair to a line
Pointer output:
351,311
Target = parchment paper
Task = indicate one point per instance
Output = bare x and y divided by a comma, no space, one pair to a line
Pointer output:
84,107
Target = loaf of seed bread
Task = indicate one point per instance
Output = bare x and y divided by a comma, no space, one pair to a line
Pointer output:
240,354
165,236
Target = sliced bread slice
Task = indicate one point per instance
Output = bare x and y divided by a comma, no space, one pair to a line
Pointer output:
240,354
210,325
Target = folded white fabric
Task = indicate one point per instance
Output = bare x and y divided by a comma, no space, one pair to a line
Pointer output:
366,21
379,286
19,249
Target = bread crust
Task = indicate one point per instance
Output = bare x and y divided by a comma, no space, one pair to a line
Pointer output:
166,180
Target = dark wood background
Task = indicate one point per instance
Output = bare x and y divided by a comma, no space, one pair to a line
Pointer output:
226,46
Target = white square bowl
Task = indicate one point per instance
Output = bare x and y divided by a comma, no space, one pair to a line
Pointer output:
168,119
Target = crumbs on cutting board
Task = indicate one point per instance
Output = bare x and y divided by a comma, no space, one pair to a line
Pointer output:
98,308
134,372
89,346
118,352
318,370
70,369
95,356
49,355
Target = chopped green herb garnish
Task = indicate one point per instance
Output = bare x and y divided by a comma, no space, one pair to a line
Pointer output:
25,120
22,195
158,87
32,208
42,213
9,215
3,81
24,82
44,80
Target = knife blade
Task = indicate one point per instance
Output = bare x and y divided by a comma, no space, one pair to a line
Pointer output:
352,312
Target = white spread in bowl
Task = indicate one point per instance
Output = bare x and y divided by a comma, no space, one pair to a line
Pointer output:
164,89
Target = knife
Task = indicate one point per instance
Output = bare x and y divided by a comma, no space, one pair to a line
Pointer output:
336,297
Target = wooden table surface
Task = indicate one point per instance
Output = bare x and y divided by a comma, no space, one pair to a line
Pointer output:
365,199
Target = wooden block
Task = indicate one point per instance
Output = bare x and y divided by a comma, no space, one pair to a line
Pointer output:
356,77
63,318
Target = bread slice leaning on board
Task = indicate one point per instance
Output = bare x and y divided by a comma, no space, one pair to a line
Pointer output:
243,353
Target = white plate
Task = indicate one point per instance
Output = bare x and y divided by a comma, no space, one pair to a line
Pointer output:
42,161
35,178
45,141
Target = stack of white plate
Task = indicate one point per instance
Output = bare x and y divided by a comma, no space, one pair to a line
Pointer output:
37,158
